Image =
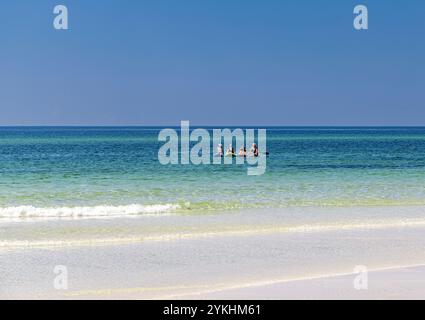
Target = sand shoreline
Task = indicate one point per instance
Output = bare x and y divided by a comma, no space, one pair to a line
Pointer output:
383,284
398,283
223,260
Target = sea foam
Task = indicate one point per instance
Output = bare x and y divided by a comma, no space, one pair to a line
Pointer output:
20,212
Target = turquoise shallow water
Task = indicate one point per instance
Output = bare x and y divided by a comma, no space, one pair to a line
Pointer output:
51,168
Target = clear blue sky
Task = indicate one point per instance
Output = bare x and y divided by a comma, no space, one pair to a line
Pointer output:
213,62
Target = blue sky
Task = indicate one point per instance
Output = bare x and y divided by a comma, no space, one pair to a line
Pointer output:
221,62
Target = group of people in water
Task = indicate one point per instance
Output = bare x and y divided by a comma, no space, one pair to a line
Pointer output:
253,152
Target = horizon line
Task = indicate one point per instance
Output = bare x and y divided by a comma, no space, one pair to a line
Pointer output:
209,126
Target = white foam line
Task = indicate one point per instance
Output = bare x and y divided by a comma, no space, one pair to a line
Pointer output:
20,213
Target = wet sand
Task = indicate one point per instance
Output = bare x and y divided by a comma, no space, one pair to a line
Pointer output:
117,260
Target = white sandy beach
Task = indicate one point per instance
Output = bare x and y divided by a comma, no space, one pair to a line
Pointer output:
392,283
222,256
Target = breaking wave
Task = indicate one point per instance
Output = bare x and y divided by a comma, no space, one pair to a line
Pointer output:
20,212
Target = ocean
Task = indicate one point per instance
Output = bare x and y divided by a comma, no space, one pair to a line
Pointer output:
97,200
114,171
